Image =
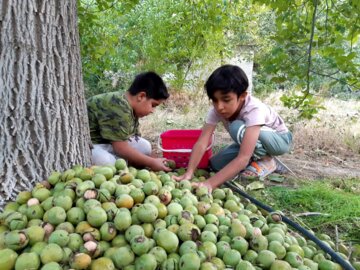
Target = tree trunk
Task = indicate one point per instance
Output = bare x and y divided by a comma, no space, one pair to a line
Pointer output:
43,117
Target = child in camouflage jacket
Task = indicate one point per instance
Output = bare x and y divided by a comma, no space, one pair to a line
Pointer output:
114,122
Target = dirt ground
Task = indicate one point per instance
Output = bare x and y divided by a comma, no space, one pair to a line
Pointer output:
306,162
328,146
312,164
306,166
317,165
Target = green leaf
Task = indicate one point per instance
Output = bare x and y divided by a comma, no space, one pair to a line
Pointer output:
255,186
276,178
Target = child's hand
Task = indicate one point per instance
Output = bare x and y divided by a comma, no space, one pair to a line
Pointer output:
159,164
170,163
206,184
185,176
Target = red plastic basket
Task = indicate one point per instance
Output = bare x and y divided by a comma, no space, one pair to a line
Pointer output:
176,144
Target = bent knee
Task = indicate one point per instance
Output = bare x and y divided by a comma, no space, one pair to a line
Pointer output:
142,145
146,147
215,163
101,157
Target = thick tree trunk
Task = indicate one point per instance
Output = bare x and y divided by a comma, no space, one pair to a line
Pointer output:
43,117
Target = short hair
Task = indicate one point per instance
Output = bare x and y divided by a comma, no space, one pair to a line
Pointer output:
150,83
227,78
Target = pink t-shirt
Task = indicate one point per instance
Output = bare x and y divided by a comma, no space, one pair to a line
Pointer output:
253,113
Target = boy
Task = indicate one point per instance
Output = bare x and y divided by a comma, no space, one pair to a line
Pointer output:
114,122
259,133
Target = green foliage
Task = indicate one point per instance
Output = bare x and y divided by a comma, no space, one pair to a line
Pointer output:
99,39
173,34
307,104
311,40
311,46
339,199
169,36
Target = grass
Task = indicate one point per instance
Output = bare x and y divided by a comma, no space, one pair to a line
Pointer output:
340,203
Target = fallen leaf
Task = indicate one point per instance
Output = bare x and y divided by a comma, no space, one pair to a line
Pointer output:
255,185
276,178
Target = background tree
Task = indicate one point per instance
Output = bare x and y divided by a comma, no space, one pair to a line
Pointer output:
99,37
315,46
170,37
305,47
43,119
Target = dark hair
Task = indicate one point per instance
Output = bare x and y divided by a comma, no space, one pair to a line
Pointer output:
227,78
151,84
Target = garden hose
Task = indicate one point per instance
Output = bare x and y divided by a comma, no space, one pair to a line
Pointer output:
337,258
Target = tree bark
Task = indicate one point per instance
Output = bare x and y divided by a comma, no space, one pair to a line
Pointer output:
43,117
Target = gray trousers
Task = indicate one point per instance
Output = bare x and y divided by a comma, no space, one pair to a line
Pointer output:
103,154
270,143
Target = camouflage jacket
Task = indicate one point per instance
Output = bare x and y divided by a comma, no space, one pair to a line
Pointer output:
111,118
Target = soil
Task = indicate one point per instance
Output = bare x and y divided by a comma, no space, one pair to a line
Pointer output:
326,146
317,164
307,162
307,167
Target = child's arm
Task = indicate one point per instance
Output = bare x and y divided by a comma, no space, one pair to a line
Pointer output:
239,163
123,149
198,151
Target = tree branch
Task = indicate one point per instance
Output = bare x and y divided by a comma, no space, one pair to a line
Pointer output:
307,91
326,18
352,34
310,46
90,5
334,78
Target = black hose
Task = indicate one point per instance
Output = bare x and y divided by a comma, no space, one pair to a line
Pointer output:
337,258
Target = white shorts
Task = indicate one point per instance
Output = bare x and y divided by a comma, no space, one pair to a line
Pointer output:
103,154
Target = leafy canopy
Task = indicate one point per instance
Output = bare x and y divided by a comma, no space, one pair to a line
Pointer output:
313,41
308,46
170,36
